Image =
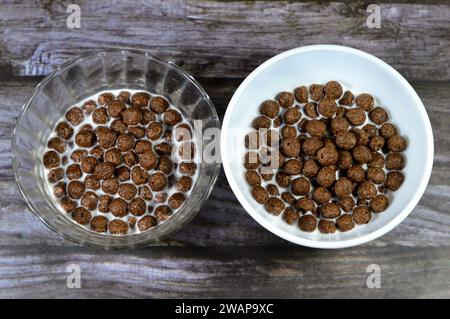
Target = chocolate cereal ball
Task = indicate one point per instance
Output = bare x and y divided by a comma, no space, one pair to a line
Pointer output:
347,99
145,193
290,215
260,194
376,143
310,109
274,205
292,115
253,178
395,161
387,130
164,165
339,124
89,200
377,160
288,131
184,183
88,164
158,104
73,171
140,99
307,223
316,92
118,207
327,155
301,94
356,173
51,159
114,156
345,223
104,98
89,106
361,215
157,182
316,128
154,131
253,140
124,96
55,175
147,222
362,137
163,212
396,143
104,170
293,167
125,142
270,108
147,116
346,140
118,126
311,146
375,175
110,185
366,190
356,116
362,154
172,117
142,146
68,205
75,189
59,190
300,186
273,190
85,139
64,130
138,175
346,203
321,195
176,200
118,227
365,101
100,116
283,179
330,210
327,226
285,99
305,204
287,198
132,116
394,180
57,144
99,224
378,115
345,160
127,191
333,90
370,129
290,147
103,203
91,182
327,107
261,122
81,215
106,137
343,187
310,168
115,108
137,206
379,203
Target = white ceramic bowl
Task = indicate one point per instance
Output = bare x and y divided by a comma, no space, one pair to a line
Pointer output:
359,72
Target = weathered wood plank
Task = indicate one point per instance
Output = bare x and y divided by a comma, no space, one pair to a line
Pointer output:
40,271
224,39
222,221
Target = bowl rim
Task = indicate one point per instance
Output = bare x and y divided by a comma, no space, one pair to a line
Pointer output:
61,68
338,243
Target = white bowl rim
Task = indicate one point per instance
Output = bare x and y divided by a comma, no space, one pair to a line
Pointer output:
338,243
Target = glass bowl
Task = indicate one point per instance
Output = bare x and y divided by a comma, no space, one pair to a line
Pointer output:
79,79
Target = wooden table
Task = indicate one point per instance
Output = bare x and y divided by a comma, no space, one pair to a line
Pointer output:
223,252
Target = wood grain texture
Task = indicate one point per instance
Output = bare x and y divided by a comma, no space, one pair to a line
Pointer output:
224,39
223,221
223,252
213,272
